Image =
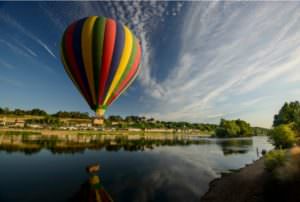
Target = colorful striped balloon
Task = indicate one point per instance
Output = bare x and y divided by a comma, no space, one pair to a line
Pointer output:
101,57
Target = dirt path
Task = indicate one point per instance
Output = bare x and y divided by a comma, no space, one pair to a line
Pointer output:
243,186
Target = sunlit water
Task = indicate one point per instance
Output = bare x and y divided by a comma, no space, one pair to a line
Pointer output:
171,171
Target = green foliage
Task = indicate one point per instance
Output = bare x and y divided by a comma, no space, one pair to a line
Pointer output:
115,118
274,159
233,128
19,133
20,112
144,123
112,121
282,136
65,114
245,128
289,113
38,112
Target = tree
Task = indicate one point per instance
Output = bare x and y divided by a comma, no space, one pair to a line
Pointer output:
282,136
289,113
64,114
233,128
38,112
245,128
227,128
19,112
115,118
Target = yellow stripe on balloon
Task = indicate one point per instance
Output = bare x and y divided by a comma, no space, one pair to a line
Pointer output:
127,86
123,62
86,44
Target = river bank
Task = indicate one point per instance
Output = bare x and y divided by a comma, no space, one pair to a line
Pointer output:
254,183
245,185
49,132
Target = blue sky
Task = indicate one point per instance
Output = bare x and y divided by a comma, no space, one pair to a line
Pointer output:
201,60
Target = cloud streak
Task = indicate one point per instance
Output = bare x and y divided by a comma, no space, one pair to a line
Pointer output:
13,23
239,49
6,64
10,82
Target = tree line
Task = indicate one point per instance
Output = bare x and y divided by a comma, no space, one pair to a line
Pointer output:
226,128
40,112
147,123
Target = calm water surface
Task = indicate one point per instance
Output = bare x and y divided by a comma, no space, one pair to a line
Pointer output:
176,169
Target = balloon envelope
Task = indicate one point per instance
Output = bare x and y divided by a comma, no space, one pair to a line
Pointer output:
101,57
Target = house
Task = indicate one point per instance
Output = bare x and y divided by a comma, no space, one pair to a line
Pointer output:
134,129
83,125
159,130
115,123
19,123
35,126
2,123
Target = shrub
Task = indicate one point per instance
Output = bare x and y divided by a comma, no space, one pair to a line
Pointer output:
233,128
282,136
284,165
274,159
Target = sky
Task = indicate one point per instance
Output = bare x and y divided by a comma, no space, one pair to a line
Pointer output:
201,61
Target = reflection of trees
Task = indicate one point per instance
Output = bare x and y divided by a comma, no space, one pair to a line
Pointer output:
78,144
24,149
235,146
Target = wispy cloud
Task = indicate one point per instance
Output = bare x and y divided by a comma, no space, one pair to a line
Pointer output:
5,64
239,48
10,82
143,18
22,50
16,49
29,50
254,101
231,56
45,47
13,23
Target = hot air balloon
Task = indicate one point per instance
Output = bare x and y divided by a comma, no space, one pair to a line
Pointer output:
101,56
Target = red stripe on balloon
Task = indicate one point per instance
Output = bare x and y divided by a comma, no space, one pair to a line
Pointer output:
70,56
108,49
130,75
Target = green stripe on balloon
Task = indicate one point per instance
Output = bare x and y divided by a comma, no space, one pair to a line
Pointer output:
128,67
98,38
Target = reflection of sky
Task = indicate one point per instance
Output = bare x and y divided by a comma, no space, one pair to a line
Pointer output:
168,173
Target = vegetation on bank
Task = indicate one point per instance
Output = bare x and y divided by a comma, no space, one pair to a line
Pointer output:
10,132
237,128
42,119
283,163
233,128
284,135
63,118
286,126
274,159
40,112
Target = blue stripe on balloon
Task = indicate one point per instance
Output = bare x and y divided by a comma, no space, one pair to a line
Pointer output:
118,50
78,55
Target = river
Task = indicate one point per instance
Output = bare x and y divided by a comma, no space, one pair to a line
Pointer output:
37,168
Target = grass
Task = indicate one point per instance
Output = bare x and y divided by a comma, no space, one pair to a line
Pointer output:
275,159
19,133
